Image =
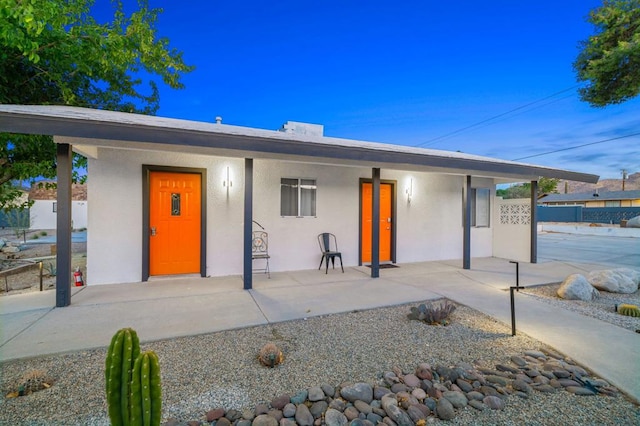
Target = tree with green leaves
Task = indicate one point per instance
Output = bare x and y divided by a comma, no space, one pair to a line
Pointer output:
54,52
609,61
545,186
515,191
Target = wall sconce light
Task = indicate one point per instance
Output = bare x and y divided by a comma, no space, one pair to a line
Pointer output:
227,182
409,191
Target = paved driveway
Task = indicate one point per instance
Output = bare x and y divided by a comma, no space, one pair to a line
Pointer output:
604,250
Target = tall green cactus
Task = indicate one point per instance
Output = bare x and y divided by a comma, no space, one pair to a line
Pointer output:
146,392
122,354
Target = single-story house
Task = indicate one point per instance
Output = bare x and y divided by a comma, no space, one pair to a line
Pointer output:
174,197
43,210
594,199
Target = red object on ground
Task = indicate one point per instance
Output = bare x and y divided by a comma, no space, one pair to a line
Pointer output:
77,278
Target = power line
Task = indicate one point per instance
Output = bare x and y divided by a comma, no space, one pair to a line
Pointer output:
432,141
577,146
521,112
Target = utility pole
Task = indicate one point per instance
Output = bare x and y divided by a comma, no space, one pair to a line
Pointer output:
624,177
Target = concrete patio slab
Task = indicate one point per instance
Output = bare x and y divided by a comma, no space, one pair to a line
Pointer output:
182,306
287,303
91,324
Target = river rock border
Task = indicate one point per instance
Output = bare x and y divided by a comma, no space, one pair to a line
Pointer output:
411,398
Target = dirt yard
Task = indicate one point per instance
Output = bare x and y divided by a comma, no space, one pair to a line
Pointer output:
20,272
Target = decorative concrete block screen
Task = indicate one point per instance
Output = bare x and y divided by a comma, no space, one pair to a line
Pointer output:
512,230
515,214
609,214
586,214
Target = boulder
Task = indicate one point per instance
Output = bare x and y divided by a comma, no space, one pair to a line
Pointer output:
316,394
318,408
10,249
303,415
634,222
263,420
279,402
335,418
328,390
226,422
576,287
457,399
289,410
215,414
395,413
412,381
494,402
619,280
362,407
358,391
445,410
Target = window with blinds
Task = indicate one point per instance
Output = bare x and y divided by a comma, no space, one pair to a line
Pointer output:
297,197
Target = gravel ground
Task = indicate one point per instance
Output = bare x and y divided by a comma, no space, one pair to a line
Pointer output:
28,280
221,370
602,308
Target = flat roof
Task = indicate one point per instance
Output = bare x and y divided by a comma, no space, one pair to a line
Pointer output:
88,129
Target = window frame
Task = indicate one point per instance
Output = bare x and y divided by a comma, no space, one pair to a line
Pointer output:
300,189
475,194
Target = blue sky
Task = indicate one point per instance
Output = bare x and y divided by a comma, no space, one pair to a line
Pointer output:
406,72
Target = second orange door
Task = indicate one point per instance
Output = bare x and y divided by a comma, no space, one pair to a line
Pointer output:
386,221
175,221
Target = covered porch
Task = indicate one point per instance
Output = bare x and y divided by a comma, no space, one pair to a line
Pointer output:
206,305
93,132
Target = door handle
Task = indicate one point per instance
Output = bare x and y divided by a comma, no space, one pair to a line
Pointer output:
153,231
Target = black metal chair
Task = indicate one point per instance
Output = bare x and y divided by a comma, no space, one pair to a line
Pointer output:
260,250
329,248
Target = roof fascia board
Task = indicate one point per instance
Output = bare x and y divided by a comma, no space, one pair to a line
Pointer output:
134,128
80,144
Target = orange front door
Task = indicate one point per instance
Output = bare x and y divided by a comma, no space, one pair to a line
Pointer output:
175,222
386,221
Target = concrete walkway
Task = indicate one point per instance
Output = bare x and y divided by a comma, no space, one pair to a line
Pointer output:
163,309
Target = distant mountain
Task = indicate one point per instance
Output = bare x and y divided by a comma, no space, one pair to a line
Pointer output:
570,187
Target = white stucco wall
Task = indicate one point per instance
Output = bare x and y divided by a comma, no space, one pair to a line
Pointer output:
43,217
115,217
428,228
293,240
512,229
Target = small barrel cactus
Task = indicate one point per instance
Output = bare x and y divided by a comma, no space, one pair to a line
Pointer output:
270,355
146,392
33,381
629,310
121,356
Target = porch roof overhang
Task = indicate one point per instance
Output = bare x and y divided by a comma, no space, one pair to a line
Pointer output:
87,130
